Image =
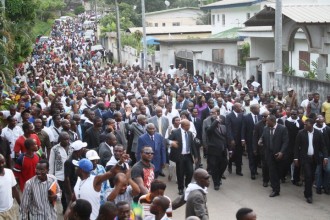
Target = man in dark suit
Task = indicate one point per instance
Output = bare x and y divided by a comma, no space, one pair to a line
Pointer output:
249,121
217,150
92,135
258,150
206,112
294,124
275,142
309,144
156,142
183,153
182,103
199,130
106,148
234,128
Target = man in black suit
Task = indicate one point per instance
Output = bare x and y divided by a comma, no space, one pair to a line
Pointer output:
249,121
309,144
182,103
258,149
234,128
217,150
206,112
183,153
294,124
275,142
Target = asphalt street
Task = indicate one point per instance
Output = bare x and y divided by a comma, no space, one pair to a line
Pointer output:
237,192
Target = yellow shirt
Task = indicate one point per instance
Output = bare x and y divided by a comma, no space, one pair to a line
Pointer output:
326,110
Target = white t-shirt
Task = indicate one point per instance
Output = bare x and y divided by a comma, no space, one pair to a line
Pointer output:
7,181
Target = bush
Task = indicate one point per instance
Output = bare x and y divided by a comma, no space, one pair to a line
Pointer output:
78,10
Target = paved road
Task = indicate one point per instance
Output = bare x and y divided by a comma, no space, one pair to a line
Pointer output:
237,192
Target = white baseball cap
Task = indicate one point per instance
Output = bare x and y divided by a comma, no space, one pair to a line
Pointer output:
92,155
77,145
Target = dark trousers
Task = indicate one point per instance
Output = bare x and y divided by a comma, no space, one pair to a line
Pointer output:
252,159
275,168
184,170
287,168
265,169
218,165
63,199
309,167
237,158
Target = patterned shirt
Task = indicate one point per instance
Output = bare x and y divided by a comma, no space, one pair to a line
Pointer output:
35,199
105,185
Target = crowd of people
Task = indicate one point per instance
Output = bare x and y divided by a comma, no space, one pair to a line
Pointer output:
95,136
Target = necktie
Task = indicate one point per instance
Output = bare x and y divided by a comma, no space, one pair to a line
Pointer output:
187,143
271,138
152,138
118,126
255,119
160,126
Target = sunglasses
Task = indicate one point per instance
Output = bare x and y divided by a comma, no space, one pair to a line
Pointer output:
148,153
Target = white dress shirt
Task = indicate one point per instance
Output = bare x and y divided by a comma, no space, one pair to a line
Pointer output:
310,151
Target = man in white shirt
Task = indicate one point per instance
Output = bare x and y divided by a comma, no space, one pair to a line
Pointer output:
8,210
305,102
11,133
171,71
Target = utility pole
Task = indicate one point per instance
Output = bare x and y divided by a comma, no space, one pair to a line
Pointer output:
118,33
278,45
144,61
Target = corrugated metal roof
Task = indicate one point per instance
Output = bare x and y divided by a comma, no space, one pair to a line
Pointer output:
229,2
228,34
306,13
174,29
172,10
257,29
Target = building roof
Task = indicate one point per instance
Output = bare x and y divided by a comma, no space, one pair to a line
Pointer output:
305,14
257,29
228,34
174,29
197,41
230,4
172,10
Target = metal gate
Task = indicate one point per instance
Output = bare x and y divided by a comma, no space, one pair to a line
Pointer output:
185,58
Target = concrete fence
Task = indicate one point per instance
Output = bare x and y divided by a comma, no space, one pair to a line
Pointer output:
227,72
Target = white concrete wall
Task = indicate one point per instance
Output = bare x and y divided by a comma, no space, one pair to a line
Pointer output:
262,47
301,45
167,55
186,17
234,17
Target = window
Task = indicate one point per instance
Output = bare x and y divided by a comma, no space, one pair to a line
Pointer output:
304,60
176,24
223,19
156,24
248,16
218,55
213,19
163,24
218,18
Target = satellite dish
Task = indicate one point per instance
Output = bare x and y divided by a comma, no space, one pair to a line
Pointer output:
167,3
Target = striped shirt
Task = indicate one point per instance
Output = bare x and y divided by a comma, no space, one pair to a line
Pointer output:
35,199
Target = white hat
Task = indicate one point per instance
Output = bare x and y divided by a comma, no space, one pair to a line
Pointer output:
92,155
171,64
129,94
290,89
77,145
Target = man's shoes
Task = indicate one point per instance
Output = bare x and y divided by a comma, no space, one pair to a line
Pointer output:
161,174
319,191
273,194
230,170
223,177
296,183
265,184
253,177
216,187
309,200
180,192
239,173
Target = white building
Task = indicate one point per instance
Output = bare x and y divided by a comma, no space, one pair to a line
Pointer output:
187,16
